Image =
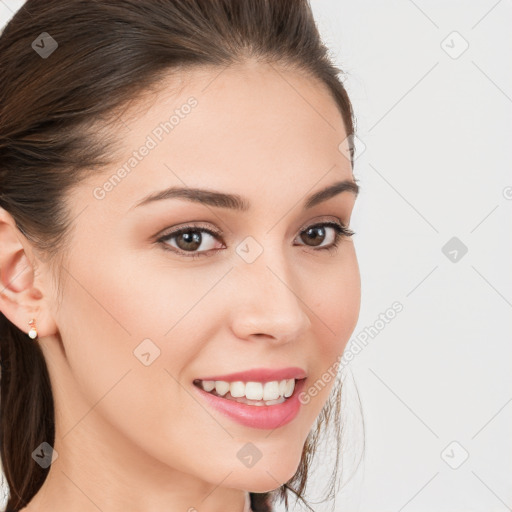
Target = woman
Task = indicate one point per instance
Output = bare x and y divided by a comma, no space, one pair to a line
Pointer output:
178,280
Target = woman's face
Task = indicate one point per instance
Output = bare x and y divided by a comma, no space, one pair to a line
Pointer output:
140,319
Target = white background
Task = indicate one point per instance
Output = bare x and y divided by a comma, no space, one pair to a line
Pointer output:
436,129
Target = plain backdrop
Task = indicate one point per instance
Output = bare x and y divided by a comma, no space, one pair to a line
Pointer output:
432,93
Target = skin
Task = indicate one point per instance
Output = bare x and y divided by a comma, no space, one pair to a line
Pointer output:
130,436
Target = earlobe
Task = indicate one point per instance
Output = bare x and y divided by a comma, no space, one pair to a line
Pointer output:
21,301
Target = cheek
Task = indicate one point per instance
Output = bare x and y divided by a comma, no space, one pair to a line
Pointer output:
337,298
104,318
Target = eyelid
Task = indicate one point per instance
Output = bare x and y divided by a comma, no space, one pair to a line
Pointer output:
216,232
321,220
187,225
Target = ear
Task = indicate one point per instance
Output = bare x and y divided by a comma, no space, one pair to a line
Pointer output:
21,297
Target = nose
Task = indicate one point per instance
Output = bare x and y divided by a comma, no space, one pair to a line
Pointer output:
267,301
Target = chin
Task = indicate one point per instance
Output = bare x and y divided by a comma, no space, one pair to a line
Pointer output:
264,480
266,485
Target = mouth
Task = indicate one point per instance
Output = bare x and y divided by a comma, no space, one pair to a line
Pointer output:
254,393
261,405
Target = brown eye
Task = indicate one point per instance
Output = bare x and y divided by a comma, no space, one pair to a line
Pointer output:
189,239
314,235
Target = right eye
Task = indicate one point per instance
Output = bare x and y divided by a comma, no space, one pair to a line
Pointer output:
188,240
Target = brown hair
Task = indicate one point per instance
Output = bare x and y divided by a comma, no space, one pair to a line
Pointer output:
108,54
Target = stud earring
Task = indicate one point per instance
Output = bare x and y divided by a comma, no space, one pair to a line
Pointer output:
33,332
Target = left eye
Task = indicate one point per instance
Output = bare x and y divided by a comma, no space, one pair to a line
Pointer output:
190,238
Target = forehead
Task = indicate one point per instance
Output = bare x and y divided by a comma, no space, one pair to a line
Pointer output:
262,100
240,128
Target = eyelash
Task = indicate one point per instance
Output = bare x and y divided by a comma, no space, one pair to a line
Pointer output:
340,231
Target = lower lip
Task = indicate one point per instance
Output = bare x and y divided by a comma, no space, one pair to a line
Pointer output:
257,416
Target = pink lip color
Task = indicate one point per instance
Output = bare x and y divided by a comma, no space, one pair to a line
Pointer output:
264,416
262,375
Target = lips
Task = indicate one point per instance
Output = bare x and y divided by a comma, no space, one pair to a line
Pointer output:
261,375
261,417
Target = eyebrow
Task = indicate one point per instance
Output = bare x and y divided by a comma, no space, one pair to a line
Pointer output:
237,202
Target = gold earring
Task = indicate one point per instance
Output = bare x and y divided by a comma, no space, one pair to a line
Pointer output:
33,331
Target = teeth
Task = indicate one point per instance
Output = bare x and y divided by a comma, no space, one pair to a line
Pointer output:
222,387
254,390
271,390
208,385
290,386
237,389
267,391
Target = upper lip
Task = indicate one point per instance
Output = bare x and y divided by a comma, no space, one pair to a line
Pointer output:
261,375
